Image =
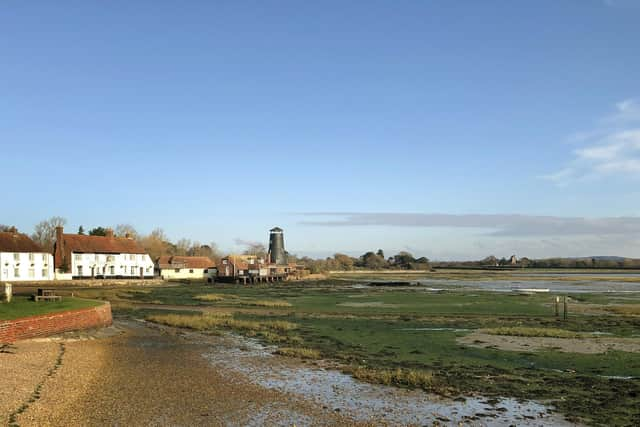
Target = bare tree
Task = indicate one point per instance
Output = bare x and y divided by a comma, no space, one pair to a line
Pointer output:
45,232
257,249
5,227
156,244
122,230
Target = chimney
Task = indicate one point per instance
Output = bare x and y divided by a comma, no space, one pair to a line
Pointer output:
109,233
59,231
13,230
127,235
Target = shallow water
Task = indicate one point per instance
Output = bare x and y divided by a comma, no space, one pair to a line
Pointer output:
553,286
379,404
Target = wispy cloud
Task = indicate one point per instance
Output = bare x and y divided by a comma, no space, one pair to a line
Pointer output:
495,225
611,149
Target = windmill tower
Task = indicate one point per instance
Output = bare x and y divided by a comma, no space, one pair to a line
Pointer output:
277,254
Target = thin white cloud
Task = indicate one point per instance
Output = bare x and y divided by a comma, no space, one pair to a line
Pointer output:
503,225
612,149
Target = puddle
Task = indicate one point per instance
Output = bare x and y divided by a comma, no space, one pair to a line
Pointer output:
377,404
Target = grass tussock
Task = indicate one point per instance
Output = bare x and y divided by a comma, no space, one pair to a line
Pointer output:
534,332
209,297
302,353
267,303
399,377
220,320
625,310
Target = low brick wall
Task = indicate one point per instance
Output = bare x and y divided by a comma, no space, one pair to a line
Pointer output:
53,323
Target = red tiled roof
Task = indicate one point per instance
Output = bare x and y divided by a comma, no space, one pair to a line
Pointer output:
17,242
80,243
101,244
169,261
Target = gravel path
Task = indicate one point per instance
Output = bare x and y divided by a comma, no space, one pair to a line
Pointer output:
143,376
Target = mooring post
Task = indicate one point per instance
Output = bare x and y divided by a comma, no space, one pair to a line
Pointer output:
8,292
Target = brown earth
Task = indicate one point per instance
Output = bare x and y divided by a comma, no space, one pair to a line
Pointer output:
141,376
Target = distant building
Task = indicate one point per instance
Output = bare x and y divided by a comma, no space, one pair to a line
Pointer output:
22,259
80,256
186,267
513,260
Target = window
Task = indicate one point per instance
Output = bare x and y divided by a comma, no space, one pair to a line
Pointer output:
45,272
79,270
132,258
32,257
44,258
78,257
133,270
16,272
111,258
190,271
97,257
112,270
32,273
177,270
16,257
206,271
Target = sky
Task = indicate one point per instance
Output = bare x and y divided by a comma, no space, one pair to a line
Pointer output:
450,129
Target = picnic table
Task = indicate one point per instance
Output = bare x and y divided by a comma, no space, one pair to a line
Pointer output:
47,295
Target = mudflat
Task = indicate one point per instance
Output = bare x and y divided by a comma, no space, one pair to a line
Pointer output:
141,376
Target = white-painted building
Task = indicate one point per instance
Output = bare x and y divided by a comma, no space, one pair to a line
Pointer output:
186,267
81,256
21,259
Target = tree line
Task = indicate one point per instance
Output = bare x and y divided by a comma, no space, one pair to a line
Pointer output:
156,243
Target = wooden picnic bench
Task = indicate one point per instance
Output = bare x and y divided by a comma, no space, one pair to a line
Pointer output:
47,295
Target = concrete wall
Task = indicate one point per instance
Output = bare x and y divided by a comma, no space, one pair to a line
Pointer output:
55,323
30,266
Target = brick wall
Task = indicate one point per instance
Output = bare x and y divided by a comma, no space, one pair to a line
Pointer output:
54,323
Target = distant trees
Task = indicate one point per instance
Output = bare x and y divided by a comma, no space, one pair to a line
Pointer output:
5,228
81,230
44,233
124,230
98,231
256,248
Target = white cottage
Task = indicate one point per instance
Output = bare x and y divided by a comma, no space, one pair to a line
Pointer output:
186,267
81,256
22,259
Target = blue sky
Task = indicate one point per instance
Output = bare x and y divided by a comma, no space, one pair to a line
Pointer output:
219,120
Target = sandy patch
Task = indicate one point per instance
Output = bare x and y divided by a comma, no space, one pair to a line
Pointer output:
566,345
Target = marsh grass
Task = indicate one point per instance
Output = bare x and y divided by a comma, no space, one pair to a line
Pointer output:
220,320
518,331
624,310
299,352
399,377
209,297
266,303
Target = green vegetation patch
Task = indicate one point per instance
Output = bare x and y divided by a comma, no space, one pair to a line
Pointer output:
23,307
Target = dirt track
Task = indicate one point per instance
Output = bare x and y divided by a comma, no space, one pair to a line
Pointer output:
142,376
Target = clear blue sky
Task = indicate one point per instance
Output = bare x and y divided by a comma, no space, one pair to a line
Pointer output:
217,120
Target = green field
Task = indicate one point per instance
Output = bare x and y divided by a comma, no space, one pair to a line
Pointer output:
370,331
22,306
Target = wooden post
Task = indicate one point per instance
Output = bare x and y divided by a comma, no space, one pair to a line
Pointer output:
557,306
564,301
8,292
